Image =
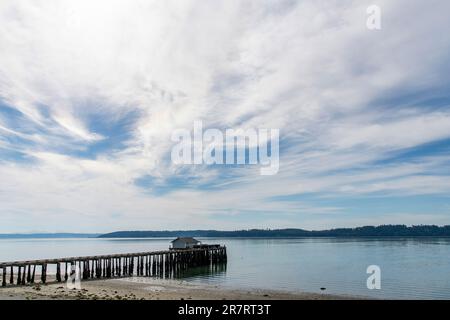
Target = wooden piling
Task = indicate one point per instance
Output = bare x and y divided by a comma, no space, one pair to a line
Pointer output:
66,276
19,276
58,272
4,277
24,275
44,273
29,274
33,274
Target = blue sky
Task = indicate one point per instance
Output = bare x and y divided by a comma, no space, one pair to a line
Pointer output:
91,91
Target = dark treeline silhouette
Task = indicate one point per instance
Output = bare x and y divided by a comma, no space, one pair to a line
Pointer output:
367,231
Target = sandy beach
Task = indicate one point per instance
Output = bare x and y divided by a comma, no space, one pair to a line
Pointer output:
149,289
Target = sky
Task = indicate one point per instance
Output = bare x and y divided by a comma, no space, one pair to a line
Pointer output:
91,91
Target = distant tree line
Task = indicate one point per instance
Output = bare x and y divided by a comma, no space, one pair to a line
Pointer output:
367,231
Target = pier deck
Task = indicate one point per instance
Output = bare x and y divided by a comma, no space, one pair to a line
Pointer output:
165,264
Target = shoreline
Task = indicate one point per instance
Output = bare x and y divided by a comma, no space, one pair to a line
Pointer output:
153,289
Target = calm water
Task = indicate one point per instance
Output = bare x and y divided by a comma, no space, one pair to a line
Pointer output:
409,268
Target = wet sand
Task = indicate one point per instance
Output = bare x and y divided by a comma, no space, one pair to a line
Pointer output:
149,289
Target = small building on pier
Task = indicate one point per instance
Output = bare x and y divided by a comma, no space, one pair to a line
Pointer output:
184,243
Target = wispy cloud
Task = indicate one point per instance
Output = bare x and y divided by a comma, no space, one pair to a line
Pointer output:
90,92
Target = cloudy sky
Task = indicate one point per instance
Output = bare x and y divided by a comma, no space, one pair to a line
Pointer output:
91,91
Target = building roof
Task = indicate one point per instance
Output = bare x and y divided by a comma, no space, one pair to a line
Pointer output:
186,240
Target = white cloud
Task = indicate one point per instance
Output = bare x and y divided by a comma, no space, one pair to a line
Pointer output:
343,98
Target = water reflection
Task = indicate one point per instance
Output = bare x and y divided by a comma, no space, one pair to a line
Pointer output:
214,270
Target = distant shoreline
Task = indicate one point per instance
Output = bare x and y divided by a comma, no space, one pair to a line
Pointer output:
366,231
233,237
47,235
388,231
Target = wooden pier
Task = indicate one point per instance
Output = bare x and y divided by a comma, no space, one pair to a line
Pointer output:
162,264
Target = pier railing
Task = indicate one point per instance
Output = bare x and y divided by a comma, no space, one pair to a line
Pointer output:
163,264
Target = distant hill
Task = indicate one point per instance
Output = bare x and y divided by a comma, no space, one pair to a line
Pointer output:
367,231
47,235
